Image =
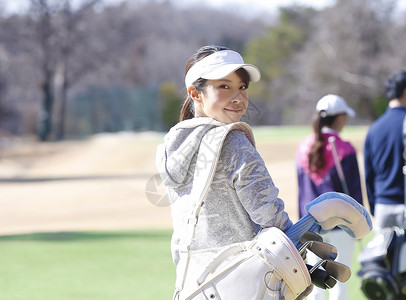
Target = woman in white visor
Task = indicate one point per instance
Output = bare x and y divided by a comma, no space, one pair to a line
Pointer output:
242,197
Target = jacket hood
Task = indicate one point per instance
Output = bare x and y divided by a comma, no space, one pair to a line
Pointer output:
180,145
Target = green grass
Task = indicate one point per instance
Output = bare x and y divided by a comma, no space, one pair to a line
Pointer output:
97,265
292,133
86,265
296,133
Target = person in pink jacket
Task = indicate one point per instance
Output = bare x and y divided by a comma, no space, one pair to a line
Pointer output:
318,173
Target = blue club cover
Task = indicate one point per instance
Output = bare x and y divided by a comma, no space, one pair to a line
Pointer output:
330,210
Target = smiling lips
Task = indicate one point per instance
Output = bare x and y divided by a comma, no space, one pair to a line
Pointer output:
238,110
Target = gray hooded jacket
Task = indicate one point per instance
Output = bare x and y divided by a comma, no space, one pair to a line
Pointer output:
241,200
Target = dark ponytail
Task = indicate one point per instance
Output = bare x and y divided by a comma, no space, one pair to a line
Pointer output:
187,111
316,153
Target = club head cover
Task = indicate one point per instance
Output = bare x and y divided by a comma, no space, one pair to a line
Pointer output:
333,209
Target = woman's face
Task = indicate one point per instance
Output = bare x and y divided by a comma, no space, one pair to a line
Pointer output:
340,122
225,100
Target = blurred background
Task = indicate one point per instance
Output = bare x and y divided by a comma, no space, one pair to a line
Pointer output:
89,87
69,69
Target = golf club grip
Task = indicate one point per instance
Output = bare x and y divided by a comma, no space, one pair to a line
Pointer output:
321,278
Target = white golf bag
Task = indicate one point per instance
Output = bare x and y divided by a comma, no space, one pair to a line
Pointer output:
268,267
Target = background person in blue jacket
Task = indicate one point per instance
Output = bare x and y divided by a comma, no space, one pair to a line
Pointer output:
383,158
317,174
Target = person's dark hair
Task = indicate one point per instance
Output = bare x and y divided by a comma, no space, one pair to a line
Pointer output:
187,111
395,85
315,156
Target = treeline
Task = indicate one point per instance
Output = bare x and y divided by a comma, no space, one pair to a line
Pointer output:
69,71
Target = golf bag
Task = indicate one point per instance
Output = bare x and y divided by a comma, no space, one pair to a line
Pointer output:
268,267
383,265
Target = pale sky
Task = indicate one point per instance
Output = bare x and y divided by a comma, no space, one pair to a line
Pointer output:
267,5
249,8
246,7
254,8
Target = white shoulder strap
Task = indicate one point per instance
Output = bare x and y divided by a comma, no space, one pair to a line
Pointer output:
207,159
206,164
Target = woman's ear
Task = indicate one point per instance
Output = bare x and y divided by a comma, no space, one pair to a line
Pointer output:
194,93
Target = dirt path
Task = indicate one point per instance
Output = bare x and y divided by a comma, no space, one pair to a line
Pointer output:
99,183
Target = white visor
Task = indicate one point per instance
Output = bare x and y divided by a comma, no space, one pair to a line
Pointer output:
219,65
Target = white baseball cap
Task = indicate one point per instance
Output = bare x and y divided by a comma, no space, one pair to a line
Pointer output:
334,105
219,65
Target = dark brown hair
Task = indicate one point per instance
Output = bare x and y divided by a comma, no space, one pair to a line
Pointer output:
316,153
395,85
187,111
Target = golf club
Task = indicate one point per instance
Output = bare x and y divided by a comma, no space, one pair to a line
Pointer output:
335,269
322,250
310,236
321,278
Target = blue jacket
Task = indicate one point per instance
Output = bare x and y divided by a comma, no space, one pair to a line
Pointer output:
383,158
312,185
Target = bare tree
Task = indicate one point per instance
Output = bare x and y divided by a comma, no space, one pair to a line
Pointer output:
348,53
72,37
58,34
43,13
